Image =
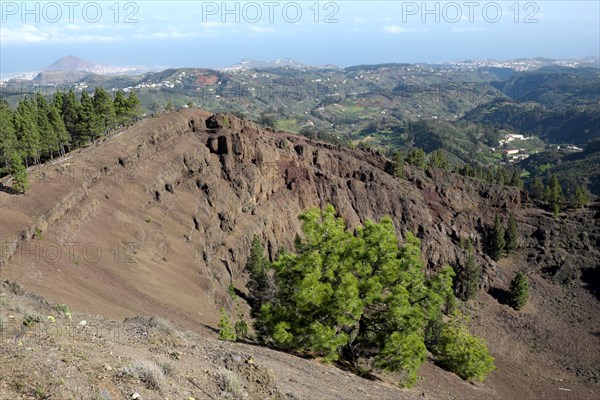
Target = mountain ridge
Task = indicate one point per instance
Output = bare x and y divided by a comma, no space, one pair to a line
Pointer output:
160,216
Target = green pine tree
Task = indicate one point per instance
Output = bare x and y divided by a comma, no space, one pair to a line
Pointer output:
417,157
241,325
537,189
519,291
554,194
398,164
134,106
511,235
467,280
28,135
104,109
8,137
516,180
121,109
58,100
581,196
226,330
354,296
58,125
437,159
48,135
19,173
259,284
88,123
70,114
502,176
497,241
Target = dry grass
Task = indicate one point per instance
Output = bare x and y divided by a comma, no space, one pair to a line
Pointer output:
163,333
229,383
146,371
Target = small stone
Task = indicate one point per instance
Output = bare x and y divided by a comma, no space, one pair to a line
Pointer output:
136,396
104,395
107,367
83,323
236,358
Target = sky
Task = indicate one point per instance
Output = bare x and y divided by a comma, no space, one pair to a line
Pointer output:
344,33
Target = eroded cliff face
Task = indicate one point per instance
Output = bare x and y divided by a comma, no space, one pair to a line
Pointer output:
158,219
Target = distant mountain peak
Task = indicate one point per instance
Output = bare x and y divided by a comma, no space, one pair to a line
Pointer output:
71,63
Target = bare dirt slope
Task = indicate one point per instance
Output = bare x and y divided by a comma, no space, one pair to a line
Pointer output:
157,220
89,357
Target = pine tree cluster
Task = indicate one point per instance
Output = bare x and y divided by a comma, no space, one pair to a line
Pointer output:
38,129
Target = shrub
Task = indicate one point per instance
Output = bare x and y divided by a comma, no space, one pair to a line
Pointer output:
231,291
63,309
148,372
230,383
167,368
462,353
31,319
519,291
241,328
267,120
226,331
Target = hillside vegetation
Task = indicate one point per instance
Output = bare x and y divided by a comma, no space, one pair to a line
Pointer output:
159,219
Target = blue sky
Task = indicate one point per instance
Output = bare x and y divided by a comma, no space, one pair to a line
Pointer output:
209,34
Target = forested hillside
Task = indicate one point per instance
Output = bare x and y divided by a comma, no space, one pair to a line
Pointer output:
37,130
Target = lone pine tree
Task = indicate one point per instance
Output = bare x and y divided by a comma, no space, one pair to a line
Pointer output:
467,279
511,235
354,295
519,291
554,194
497,240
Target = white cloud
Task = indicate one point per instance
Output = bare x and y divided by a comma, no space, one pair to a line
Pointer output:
215,24
396,29
360,20
52,34
97,33
169,34
468,29
261,29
